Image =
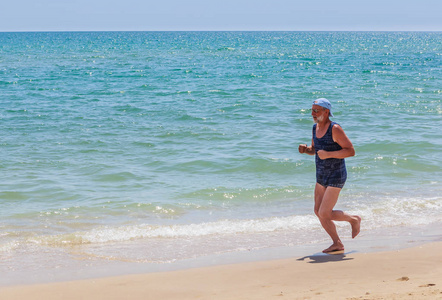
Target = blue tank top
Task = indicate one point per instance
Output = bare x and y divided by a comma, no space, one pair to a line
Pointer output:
330,171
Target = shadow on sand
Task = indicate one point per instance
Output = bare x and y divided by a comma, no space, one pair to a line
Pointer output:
319,258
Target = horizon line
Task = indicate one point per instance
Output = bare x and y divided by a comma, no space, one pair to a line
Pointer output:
197,30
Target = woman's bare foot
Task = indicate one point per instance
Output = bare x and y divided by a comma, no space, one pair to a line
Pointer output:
335,247
355,226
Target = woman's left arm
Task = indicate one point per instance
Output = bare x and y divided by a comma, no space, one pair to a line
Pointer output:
341,138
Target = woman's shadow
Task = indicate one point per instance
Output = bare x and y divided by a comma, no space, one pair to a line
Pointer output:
319,258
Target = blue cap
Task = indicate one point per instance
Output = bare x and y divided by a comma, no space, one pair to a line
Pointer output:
323,103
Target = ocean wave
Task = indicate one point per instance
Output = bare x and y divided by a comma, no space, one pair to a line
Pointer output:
390,211
108,234
387,213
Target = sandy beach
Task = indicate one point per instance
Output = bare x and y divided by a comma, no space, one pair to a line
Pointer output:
413,273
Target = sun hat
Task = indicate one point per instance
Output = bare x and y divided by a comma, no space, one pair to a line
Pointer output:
323,103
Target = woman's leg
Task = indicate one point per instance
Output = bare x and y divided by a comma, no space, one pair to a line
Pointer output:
325,200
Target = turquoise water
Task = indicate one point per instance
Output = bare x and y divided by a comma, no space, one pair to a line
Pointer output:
163,146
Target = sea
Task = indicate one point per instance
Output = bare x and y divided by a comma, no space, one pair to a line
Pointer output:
126,152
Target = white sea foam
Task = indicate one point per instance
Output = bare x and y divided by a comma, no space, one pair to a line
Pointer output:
385,213
144,231
9,246
396,211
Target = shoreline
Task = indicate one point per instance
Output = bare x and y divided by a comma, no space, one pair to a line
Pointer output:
56,265
410,273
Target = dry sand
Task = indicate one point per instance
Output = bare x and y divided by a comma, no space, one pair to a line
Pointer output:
414,273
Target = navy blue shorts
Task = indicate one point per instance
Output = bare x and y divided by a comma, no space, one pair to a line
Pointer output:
336,185
331,172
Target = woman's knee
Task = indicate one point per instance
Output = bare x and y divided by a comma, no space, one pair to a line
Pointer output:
324,214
